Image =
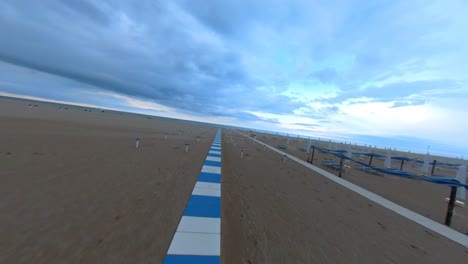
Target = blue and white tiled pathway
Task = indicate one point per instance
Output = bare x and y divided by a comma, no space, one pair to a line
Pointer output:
198,237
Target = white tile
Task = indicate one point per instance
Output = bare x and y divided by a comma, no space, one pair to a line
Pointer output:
195,244
193,224
208,185
214,152
206,192
210,158
211,169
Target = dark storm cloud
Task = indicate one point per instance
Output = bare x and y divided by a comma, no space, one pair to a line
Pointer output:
230,17
149,49
88,10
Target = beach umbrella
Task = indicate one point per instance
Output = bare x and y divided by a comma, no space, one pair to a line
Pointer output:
461,177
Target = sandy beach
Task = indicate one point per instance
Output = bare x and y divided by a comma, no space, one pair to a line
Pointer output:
289,214
76,190
425,198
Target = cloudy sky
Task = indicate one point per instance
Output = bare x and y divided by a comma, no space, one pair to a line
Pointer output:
353,70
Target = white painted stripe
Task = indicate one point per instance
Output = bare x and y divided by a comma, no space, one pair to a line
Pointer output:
191,224
208,185
207,189
206,192
211,169
211,158
214,152
424,221
195,244
215,148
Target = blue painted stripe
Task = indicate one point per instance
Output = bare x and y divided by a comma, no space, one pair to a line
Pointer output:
212,163
203,206
188,259
209,177
214,155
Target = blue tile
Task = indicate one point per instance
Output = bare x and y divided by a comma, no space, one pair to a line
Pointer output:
203,206
212,163
201,199
209,177
189,259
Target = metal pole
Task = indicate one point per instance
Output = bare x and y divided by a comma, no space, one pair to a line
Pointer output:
312,158
341,167
370,161
433,167
453,194
401,166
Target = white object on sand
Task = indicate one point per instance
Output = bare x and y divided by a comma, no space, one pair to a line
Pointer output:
425,165
347,168
457,202
137,142
388,160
